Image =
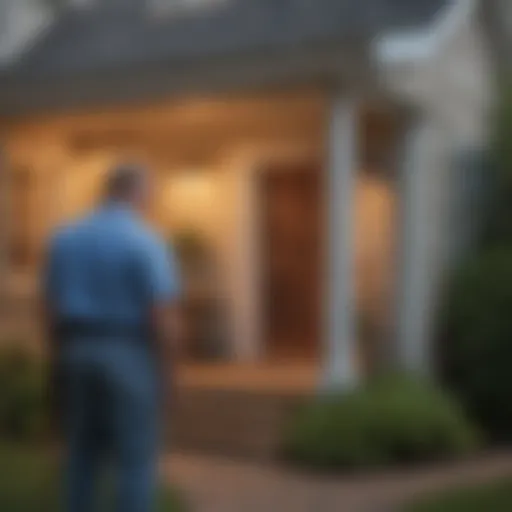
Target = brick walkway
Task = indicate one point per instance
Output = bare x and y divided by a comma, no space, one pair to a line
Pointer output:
225,486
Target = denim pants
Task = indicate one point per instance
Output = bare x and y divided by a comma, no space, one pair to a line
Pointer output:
110,413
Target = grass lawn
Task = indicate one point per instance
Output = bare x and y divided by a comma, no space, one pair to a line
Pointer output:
29,483
496,497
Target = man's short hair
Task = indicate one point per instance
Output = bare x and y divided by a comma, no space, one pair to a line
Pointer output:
125,180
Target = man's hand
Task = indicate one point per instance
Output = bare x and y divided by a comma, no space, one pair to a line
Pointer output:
168,329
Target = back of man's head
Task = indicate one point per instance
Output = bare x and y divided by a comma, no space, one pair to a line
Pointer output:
127,183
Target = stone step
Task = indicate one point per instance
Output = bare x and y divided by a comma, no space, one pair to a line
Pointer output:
232,423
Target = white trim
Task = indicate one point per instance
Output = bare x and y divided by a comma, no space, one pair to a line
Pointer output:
424,238
341,366
246,343
416,45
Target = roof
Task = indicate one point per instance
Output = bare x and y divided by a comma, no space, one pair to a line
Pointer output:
121,54
102,39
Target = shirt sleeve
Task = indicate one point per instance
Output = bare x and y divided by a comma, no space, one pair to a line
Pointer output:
162,275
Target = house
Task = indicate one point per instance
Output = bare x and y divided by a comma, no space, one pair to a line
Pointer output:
311,143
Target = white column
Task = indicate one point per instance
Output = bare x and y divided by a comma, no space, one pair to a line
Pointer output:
248,337
241,256
420,250
341,365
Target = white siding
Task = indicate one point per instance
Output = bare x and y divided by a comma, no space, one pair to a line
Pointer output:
451,92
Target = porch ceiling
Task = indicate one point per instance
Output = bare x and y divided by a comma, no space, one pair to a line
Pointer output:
190,130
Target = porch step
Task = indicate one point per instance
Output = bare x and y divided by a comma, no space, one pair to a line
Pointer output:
232,423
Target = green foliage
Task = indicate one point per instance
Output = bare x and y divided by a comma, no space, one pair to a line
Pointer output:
192,250
22,400
189,242
477,348
499,227
475,343
495,497
392,420
29,481
502,146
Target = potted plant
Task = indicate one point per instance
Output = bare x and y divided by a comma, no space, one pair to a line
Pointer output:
201,297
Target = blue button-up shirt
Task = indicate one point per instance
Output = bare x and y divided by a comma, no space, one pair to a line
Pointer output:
109,267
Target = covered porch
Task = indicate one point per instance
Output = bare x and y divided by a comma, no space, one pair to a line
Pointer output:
292,378
301,199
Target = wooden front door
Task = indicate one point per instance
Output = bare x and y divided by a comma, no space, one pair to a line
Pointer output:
292,251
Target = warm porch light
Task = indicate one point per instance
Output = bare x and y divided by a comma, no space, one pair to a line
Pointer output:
193,185
189,196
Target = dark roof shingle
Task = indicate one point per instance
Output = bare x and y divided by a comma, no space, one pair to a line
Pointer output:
85,42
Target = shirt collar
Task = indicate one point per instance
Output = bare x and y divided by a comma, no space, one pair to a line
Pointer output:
117,208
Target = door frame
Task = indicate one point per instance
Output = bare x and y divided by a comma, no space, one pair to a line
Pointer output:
265,167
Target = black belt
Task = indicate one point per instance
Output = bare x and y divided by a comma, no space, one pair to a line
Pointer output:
70,329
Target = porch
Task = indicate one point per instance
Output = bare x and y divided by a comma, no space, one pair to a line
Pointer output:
279,378
297,194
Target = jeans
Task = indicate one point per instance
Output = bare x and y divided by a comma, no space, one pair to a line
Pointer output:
110,410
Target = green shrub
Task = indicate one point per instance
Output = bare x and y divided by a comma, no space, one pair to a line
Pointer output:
475,344
477,340
30,480
391,420
498,230
22,400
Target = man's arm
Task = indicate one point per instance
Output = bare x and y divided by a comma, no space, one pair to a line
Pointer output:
163,281
166,324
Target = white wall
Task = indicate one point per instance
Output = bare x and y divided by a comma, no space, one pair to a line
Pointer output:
450,92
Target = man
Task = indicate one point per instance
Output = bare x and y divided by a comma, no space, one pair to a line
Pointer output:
109,286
